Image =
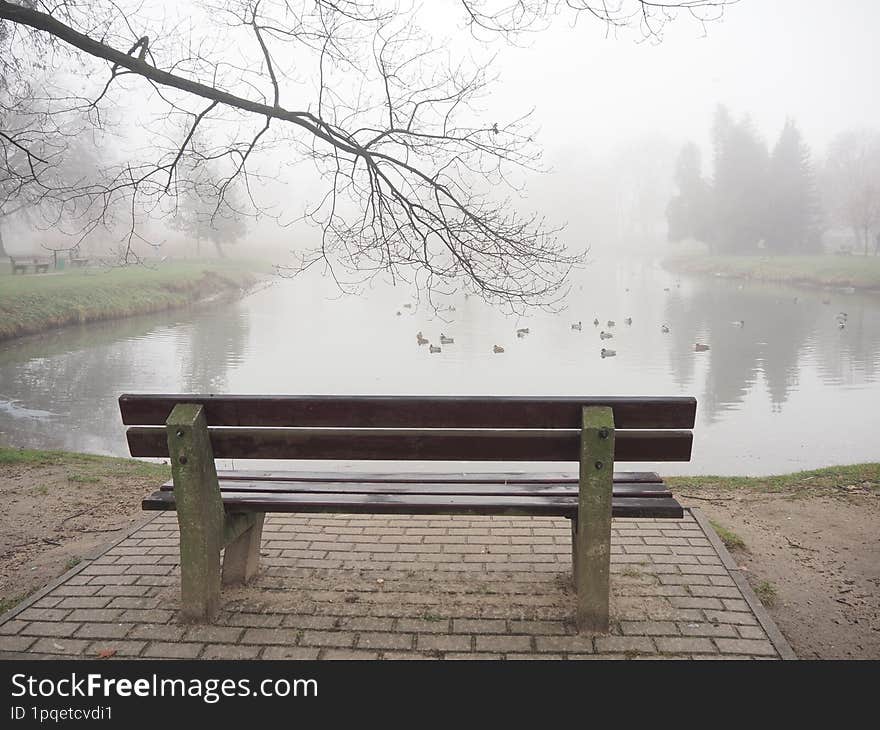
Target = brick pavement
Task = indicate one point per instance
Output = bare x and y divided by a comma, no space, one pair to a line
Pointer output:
406,587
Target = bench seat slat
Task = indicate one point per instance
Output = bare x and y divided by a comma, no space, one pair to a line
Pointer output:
518,477
418,445
385,411
423,504
646,490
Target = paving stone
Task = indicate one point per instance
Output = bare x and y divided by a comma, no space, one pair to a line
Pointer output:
50,628
479,626
103,631
385,641
443,642
289,652
328,638
270,636
16,643
504,643
169,650
684,645
708,629
59,645
230,651
213,634
120,648
457,587
746,646
352,654
648,628
625,644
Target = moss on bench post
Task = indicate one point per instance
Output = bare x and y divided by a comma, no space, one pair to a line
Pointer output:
592,539
199,511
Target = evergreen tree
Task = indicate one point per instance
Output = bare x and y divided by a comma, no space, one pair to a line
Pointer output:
740,184
792,224
689,214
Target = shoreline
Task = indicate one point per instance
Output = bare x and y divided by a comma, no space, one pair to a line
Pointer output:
848,273
36,304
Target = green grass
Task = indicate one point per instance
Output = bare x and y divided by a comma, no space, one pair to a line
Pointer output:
766,592
862,272
731,540
89,468
7,604
34,303
828,479
83,479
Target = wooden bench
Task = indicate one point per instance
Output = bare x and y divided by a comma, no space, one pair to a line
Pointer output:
226,509
20,264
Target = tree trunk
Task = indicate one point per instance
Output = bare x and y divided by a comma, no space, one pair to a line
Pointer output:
3,253
219,250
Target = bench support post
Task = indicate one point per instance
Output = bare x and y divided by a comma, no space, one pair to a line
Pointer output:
199,511
242,556
592,539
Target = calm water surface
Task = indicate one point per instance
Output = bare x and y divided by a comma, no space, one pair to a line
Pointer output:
786,390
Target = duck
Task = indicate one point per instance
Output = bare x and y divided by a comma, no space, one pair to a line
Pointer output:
842,315
605,335
434,348
665,329
739,323
407,306
699,347
841,325
610,323
523,331
420,339
497,348
576,326
596,322
451,309
398,312
608,353
444,340
628,320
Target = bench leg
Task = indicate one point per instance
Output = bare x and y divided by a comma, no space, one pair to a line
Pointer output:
241,560
592,537
199,512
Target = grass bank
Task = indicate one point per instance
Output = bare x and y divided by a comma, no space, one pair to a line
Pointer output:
830,480
83,468
39,302
860,272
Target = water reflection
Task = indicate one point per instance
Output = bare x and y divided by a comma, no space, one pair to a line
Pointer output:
59,389
766,390
770,333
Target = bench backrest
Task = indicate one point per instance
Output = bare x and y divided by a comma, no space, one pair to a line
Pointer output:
432,428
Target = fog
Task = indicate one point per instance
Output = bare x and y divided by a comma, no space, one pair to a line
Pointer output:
610,111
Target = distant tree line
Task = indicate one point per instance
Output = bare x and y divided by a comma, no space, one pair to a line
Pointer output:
774,200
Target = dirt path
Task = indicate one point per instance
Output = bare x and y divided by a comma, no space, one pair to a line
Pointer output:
819,555
56,514
817,550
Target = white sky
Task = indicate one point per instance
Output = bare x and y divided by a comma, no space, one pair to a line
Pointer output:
815,60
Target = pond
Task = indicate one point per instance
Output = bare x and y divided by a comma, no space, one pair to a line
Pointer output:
781,387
